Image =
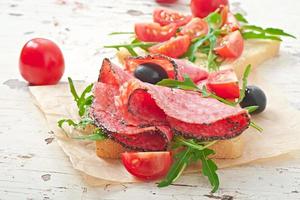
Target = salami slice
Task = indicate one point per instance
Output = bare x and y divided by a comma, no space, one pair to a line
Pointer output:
110,120
196,73
112,74
186,112
175,68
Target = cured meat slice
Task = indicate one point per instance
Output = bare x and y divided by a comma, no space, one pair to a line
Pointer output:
112,74
194,72
186,112
110,120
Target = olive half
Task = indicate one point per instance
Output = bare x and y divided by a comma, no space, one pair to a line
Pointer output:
150,73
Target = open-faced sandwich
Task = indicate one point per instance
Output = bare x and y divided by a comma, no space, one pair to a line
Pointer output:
177,100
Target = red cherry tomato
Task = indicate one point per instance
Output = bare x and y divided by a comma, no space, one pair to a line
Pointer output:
174,47
153,32
41,62
202,8
165,1
147,165
224,83
195,28
165,16
231,46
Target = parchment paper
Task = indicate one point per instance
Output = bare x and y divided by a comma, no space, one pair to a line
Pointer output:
281,124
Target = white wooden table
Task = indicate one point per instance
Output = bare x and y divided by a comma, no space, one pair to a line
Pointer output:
32,166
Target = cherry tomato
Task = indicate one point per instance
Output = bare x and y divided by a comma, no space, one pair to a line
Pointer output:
153,32
165,16
165,1
174,47
147,165
195,28
230,23
202,8
231,46
224,83
41,62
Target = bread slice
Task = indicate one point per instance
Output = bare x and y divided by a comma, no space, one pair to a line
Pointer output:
255,52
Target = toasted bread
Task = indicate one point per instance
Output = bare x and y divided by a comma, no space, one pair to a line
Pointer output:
256,52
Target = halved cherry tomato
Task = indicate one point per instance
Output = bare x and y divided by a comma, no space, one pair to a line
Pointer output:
147,165
230,23
202,8
153,32
231,46
165,1
224,83
41,62
195,28
165,16
174,47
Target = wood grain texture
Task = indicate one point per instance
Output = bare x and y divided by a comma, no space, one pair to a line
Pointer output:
32,165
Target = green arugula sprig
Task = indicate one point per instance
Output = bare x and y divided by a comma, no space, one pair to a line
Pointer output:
192,152
256,32
134,44
83,101
121,33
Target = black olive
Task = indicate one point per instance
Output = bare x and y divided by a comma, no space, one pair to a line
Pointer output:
254,96
150,73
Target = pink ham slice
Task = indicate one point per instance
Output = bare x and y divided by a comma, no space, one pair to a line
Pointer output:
110,120
186,112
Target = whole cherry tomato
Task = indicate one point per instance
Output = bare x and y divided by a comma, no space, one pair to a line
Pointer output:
202,8
41,62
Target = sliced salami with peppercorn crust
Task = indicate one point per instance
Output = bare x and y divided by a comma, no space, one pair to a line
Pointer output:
107,117
112,74
186,112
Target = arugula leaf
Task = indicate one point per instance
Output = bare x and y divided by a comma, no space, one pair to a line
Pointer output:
193,152
277,31
186,84
214,20
241,18
129,47
245,83
70,122
83,102
96,135
209,168
183,159
251,108
211,58
257,127
257,32
121,33
253,35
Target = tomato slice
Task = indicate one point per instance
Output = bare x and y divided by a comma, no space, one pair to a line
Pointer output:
153,32
224,83
230,23
195,28
147,165
231,46
165,16
173,48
